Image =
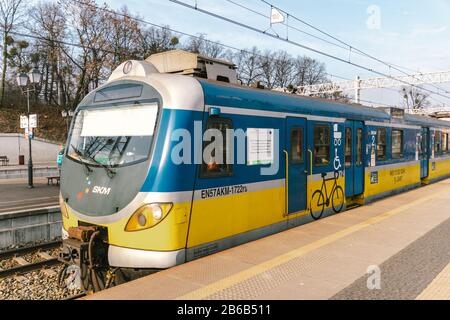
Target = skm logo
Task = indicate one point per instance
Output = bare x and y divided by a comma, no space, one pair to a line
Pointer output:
101,190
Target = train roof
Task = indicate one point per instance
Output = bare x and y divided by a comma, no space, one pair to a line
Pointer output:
426,121
224,94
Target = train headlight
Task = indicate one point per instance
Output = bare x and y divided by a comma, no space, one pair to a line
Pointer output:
157,212
148,216
142,220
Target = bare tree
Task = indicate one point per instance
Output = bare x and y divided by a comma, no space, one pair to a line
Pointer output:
92,27
153,40
284,67
10,14
248,66
267,65
309,71
201,45
414,99
103,39
49,23
124,39
18,56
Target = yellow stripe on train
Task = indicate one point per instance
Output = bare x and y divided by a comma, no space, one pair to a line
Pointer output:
222,217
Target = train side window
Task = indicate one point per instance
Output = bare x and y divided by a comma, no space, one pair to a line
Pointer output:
381,144
348,147
420,145
397,144
321,139
359,147
437,142
445,142
297,145
216,166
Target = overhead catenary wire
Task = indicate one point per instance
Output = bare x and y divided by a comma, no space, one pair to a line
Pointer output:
194,36
378,103
285,24
72,44
184,33
83,46
344,45
159,26
112,52
152,24
350,47
249,27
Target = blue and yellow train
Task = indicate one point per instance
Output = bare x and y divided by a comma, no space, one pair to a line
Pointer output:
128,203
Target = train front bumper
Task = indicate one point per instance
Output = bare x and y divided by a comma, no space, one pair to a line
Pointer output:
145,259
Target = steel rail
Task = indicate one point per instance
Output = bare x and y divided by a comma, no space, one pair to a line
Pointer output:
29,267
24,250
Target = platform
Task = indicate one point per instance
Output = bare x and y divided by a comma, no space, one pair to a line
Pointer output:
15,195
404,239
21,171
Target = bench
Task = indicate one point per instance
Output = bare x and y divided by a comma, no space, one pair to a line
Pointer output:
4,160
53,180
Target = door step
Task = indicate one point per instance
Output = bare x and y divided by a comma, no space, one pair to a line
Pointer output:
353,206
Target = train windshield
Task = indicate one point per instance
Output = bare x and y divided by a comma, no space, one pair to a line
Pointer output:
113,137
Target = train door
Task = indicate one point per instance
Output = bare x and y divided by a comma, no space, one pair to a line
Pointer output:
296,164
354,163
424,152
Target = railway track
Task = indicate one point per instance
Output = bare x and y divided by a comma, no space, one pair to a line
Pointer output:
19,264
31,273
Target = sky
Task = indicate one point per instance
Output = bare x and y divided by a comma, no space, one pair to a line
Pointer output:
414,34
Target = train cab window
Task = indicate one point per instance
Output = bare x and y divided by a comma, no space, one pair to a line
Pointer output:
397,144
445,142
321,139
120,91
381,144
359,147
348,147
216,165
297,155
437,142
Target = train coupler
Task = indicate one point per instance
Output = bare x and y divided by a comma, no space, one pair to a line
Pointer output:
85,254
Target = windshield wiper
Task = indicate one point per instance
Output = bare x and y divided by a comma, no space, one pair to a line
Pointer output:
110,172
81,156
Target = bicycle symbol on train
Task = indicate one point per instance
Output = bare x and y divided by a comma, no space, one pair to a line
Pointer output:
320,198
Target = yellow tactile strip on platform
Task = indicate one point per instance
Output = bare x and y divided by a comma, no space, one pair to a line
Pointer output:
256,270
439,288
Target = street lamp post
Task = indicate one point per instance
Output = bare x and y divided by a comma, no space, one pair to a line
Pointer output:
67,115
28,84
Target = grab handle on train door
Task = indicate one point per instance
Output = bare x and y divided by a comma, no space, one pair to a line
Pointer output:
310,173
286,183
310,161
